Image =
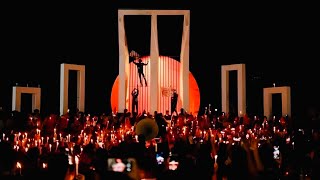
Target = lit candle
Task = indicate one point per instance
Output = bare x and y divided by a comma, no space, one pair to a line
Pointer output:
50,147
44,165
215,158
156,147
57,145
76,159
293,145
19,166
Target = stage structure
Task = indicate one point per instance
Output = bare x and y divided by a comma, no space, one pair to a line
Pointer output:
241,84
16,97
169,70
154,86
64,86
285,100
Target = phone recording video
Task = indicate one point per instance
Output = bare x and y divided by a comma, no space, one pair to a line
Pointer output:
276,152
173,162
160,158
119,165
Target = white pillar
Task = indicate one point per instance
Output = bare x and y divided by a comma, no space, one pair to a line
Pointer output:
123,94
64,86
16,97
184,62
241,89
154,59
285,100
241,84
154,66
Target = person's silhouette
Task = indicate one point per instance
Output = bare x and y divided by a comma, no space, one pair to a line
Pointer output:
140,65
174,101
135,94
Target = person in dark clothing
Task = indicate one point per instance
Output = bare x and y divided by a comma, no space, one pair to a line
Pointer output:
174,102
140,65
135,94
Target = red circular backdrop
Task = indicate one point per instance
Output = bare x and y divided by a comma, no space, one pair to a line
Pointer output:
169,78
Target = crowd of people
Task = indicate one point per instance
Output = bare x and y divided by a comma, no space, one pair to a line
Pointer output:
209,146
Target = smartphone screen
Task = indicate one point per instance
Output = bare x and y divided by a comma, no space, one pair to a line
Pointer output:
119,165
160,158
173,162
276,152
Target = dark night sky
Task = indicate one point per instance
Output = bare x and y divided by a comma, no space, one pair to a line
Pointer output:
278,43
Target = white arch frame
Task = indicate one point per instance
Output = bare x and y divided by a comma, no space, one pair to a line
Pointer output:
241,84
64,86
285,92
16,97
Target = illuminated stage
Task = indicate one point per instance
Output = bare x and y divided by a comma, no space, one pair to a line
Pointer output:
169,71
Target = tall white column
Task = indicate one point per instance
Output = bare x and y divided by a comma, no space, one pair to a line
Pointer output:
64,86
81,89
154,85
184,62
225,89
241,90
154,66
123,94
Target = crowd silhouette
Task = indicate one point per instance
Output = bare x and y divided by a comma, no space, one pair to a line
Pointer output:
208,146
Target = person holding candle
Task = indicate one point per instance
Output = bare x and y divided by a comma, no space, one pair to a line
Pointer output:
135,94
7,161
58,167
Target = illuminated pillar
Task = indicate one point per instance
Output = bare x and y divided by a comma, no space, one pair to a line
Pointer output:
123,98
285,100
155,90
184,62
16,97
64,86
241,84
154,66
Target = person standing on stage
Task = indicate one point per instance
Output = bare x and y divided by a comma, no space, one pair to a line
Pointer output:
174,102
135,94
